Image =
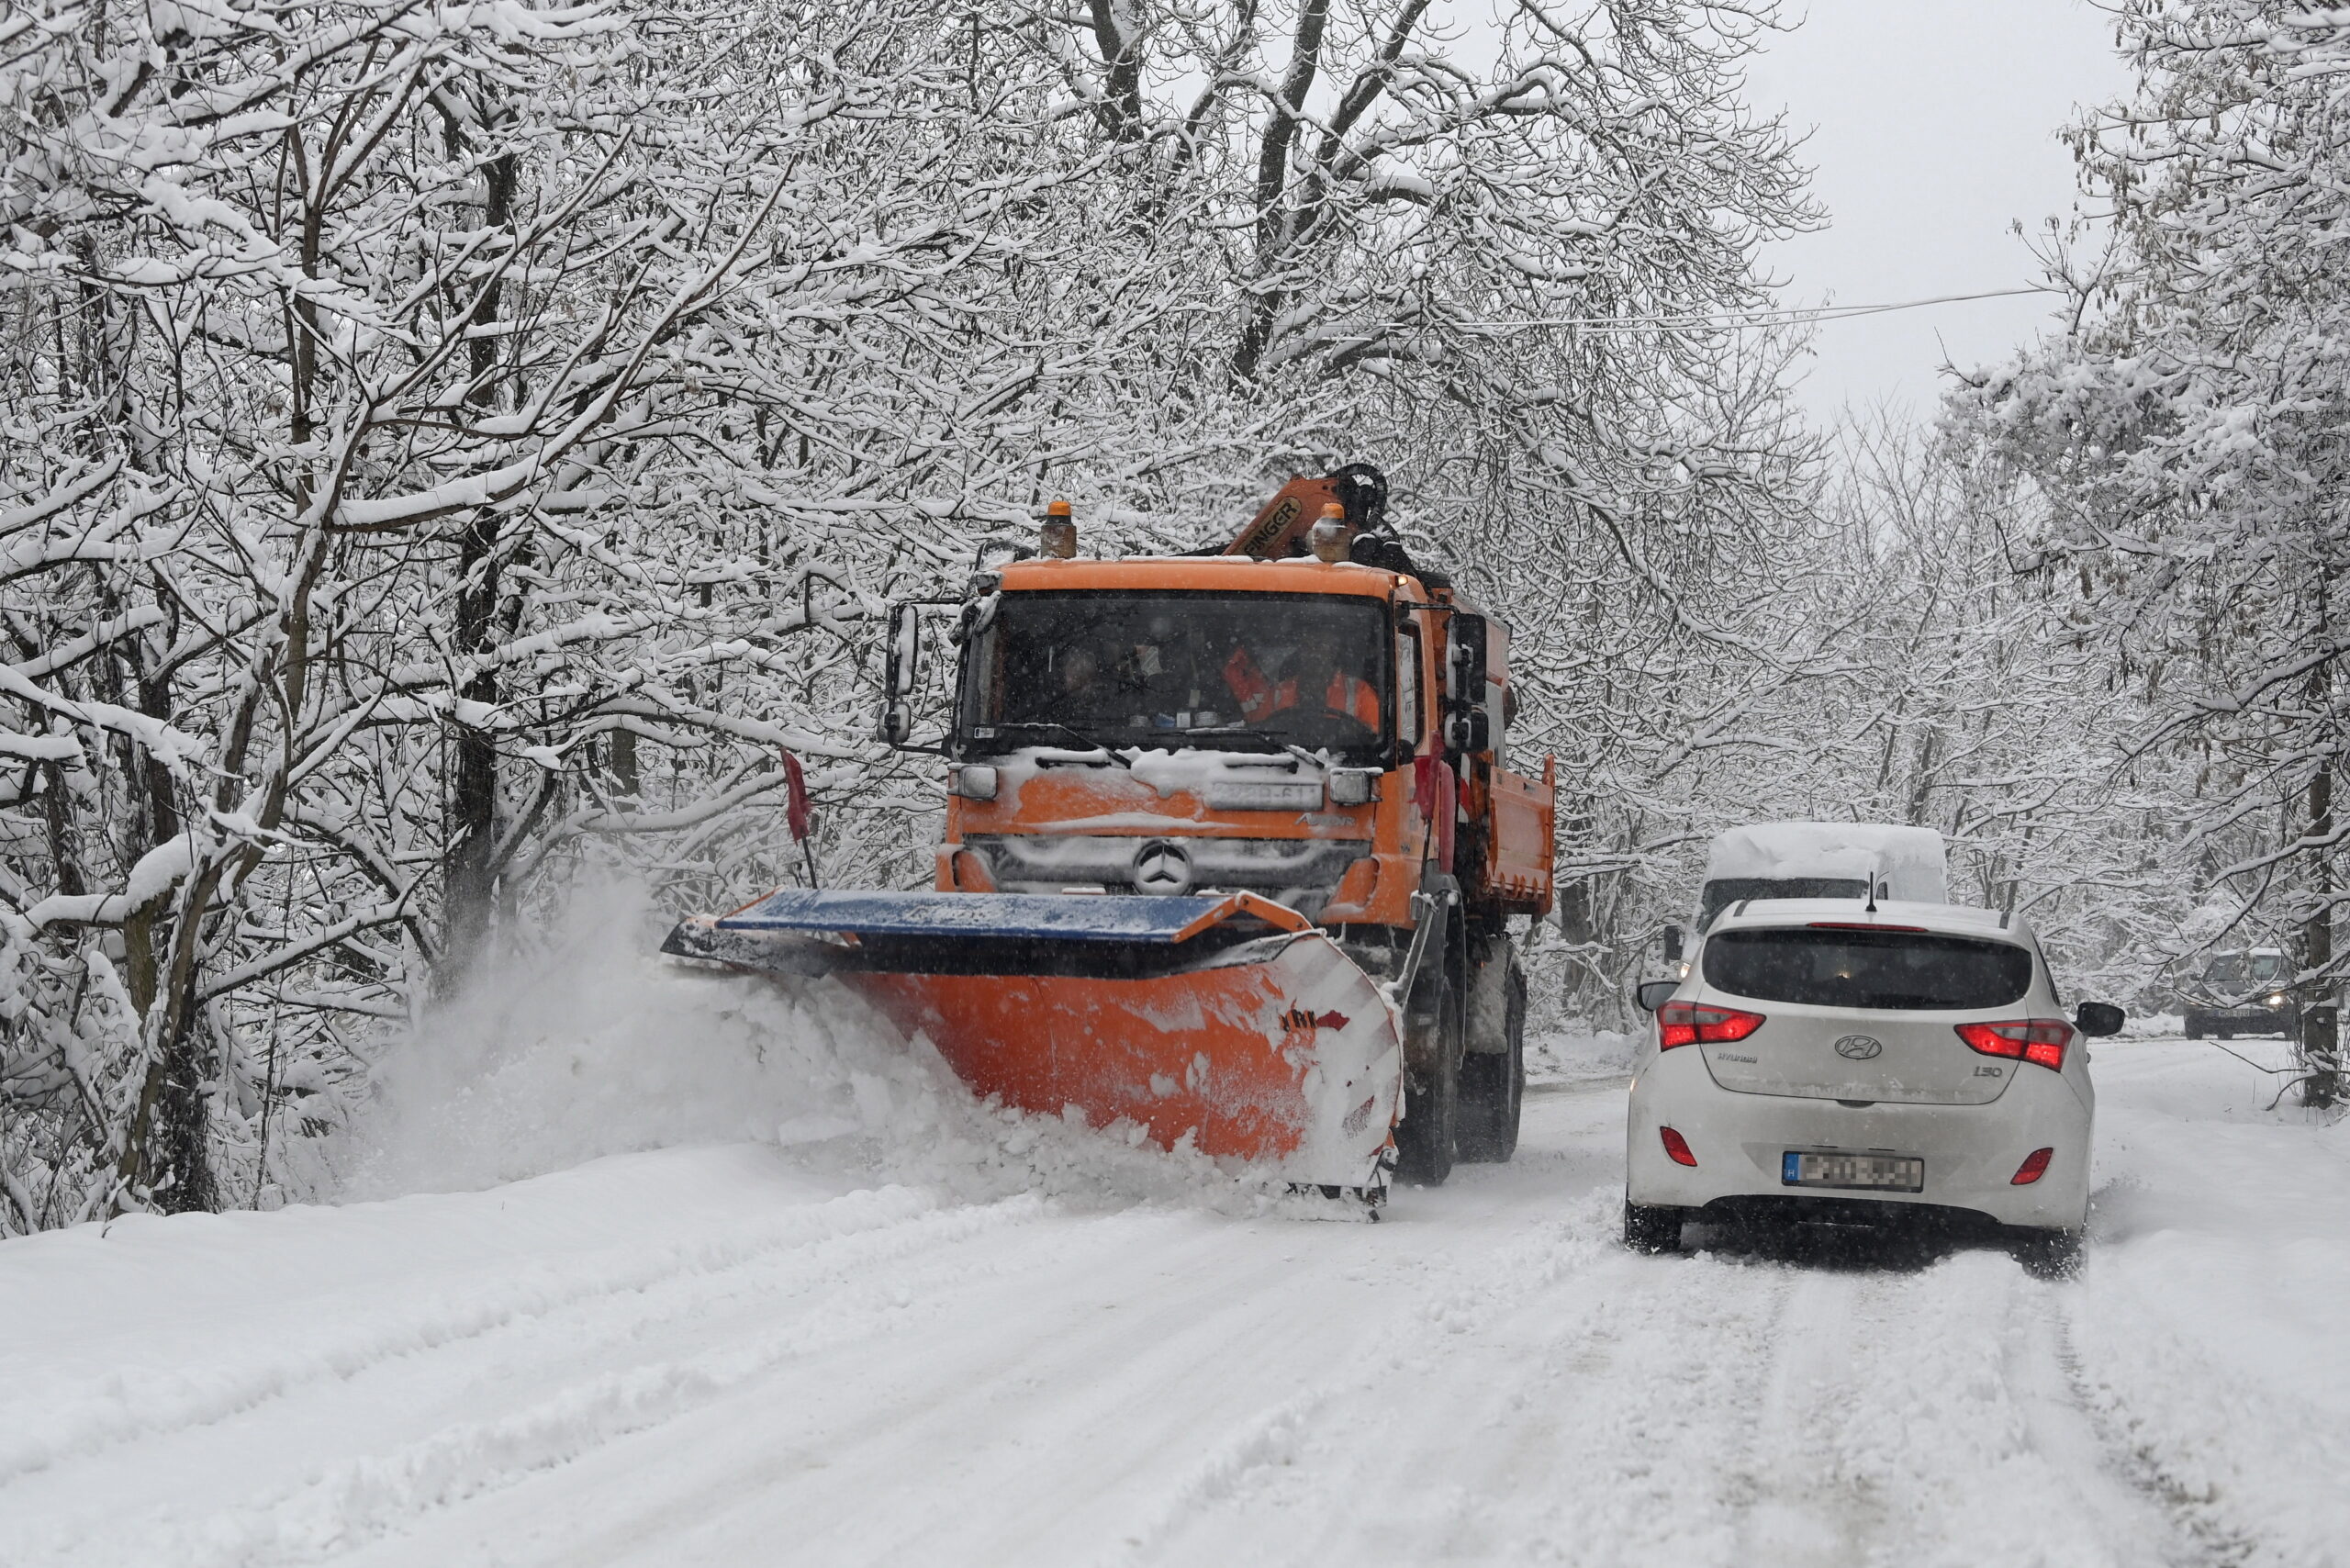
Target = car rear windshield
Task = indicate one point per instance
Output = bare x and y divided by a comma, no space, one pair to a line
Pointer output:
1867,969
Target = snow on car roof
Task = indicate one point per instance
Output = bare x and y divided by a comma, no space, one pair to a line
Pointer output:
1956,919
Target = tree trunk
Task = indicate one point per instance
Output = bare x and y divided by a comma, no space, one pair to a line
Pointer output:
470,891
2320,1020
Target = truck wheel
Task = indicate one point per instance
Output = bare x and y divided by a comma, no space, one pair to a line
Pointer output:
1492,1085
1427,1138
1653,1227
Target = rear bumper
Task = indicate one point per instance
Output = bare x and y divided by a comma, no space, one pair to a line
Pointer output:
1971,1152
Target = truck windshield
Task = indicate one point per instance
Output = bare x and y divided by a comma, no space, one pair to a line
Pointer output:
1253,671
1867,969
2242,972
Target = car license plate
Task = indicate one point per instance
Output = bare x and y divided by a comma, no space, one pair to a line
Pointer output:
1869,1172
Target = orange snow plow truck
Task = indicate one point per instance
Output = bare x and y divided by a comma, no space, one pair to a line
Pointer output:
1231,847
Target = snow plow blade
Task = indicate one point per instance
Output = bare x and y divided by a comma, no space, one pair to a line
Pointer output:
1226,1024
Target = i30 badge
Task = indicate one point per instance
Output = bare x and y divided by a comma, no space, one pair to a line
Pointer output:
1859,1048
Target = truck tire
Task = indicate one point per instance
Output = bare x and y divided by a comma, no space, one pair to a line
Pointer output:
1493,1083
1427,1138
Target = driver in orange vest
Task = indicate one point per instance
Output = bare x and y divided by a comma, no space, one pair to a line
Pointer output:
1313,670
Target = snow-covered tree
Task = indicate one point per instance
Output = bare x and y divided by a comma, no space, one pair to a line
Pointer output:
2190,433
447,445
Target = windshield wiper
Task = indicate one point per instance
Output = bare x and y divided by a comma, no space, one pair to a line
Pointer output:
1081,738
1231,732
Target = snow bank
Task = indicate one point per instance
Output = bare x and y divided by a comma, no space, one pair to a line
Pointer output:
1579,1054
598,1047
2204,1327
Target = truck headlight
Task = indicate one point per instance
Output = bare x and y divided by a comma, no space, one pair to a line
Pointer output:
2276,1000
1353,786
972,780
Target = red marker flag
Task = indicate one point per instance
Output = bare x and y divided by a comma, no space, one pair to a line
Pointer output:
797,811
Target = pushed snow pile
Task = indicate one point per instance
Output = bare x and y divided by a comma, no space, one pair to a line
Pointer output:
1579,1054
1909,859
600,1046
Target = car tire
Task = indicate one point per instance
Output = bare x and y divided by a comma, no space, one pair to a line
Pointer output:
1493,1083
2048,1254
1653,1227
2194,1031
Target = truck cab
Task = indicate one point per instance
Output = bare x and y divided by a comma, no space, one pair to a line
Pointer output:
1289,728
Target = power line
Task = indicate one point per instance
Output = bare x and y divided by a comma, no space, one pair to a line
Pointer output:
1744,321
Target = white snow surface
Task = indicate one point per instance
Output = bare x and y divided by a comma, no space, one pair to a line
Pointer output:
830,1311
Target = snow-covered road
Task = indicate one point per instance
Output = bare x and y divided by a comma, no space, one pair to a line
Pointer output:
710,1355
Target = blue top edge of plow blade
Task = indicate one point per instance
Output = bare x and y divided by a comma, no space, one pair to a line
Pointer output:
1074,917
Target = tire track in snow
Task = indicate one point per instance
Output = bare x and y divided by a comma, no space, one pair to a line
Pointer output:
345,1500
2118,1485
1794,1510
143,1406
1026,1424
1544,1418
1926,1420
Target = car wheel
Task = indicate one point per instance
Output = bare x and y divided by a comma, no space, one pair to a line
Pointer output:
2194,1032
2049,1254
1493,1083
1653,1227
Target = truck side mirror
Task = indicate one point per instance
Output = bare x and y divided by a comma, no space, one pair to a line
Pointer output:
1653,994
2097,1019
901,664
1466,727
1674,939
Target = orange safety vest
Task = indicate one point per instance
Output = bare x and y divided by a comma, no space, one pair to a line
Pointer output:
1258,699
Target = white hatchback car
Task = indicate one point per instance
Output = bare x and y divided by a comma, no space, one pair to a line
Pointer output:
1829,1059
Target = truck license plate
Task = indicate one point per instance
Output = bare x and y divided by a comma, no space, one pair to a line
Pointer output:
1872,1172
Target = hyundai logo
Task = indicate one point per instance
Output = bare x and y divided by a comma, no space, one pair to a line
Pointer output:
1163,868
1859,1048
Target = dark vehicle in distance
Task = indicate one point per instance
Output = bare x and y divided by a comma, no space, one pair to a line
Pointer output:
2243,993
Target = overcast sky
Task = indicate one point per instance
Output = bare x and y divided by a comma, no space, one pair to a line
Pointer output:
1936,124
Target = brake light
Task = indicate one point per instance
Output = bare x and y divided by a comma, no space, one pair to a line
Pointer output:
1686,1022
2038,1040
2034,1166
1676,1147
1862,925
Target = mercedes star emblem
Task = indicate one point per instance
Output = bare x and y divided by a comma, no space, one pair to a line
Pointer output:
1163,868
1859,1048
